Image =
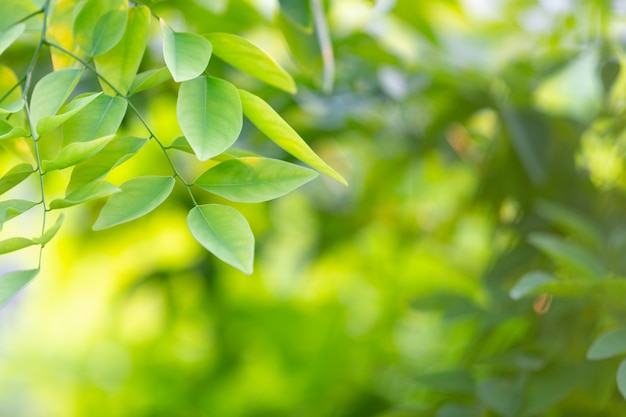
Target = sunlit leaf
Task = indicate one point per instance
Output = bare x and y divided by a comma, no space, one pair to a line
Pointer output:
186,54
14,244
224,232
609,344
569,254
51,91
12,282
149,79
8,131
88,192
7,37
99,25
74,153
119,65
13,208
274,127
50,233
119,150
59,32
530,282
252,180
209,113
137,198
47,123
100,118
14,176
247,57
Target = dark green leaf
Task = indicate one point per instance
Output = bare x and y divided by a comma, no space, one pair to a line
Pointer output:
224,232
209,113
137,198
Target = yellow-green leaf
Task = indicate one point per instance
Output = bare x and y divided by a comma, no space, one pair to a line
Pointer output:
13,208
51,91
48,123
101,117
14,244
7,37
50,233
99,25
14,281
75,153
149,79
14,176
186,54
88,192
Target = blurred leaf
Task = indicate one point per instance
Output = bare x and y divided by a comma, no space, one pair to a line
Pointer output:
608,344
10,132
570,221
186,54
298,12
253,180
50,233
570,255
14,176
621,378
209,113
148,79
502,396
274,127
14,244
51,91
120,64
88,192
99,25
7,37
12,208
247,57
102,117
530,282
138,197
546,388
117,151
12,282
225,233
59,31
454,381
48,123
74,153
456,410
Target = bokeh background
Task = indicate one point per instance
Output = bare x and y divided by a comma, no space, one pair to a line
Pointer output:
483,141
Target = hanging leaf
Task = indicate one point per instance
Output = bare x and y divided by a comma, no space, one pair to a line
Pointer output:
149,79
224,232
102,117
13,208
59,32
91,191
12,282
7,37
14,244
247,57
274,127
50,233
119,150
75,153
608,344
51,91
14,176
119,65
209,114
48,123
8,131
99,25
253,180
137,198
186,54
529,283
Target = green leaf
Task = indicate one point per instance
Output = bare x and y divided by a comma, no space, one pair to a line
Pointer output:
186,54
209,114
119,65
51,91
7,37
529,282
11,11
225,233
13,208
88,192
298,12
149,79
274,127
621,378
249,58
453,381
99,25
570,221
74,153
102,117
48,123
500,395
11,98
137,197
50,233
14,244
12,282
253,180
546,388
181,144
569,254
119,150
12,107
14,176
8,131
609,344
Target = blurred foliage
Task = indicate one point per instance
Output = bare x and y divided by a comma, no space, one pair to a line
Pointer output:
475,259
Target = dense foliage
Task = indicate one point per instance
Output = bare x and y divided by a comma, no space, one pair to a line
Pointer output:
474,267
